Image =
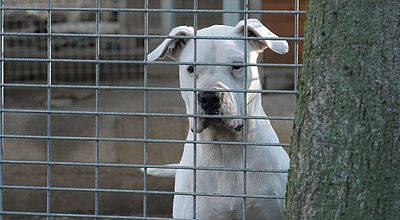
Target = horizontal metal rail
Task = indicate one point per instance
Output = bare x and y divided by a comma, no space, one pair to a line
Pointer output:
55,163
145,62
141,88
141,140
19,34
139,192
152,10
80,215
145,114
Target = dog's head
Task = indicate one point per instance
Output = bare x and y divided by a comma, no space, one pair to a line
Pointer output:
213,78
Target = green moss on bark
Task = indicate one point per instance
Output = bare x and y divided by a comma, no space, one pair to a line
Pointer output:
345,151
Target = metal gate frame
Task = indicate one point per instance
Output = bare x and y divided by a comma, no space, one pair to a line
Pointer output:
145,88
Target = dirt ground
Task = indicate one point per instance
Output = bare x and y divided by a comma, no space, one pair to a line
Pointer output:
118,152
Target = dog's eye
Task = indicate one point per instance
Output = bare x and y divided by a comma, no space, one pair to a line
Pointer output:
237,68
190,69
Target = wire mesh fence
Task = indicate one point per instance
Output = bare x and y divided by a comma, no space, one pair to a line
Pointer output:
82,108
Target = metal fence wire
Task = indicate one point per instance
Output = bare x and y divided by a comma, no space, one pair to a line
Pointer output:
82,108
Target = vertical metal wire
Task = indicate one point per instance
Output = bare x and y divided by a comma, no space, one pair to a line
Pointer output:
145,122
97,103
1,108
245,17
296,47
49,82
195,7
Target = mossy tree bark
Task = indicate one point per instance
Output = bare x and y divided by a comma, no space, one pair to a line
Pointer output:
345,150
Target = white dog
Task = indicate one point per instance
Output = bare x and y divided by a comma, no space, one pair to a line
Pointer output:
226,129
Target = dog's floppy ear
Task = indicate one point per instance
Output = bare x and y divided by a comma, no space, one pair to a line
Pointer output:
256,29
172,47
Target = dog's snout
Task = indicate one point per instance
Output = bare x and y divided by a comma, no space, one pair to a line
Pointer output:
210,102
208,97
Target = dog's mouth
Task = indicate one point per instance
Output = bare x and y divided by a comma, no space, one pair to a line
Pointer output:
232,124
217,105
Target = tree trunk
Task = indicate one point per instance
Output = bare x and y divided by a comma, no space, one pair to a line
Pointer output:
345,150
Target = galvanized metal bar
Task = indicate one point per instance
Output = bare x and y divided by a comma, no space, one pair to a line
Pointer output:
2,75
139,140
66,112
142,62
145,105
195,102
296,48
245,125
139,192
49,82
26,34
153,10
97,109
74,216
142,88
54,163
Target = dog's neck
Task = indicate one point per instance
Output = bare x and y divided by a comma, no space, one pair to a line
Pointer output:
254,106
226,154
219,133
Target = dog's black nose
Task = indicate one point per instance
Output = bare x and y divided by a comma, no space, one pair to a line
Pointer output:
210,102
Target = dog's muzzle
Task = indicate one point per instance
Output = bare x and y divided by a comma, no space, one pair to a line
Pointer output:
216,103
210,102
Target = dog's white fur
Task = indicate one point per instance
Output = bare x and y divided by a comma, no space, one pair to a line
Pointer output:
216,155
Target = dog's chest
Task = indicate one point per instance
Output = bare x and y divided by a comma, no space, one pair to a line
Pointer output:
221,181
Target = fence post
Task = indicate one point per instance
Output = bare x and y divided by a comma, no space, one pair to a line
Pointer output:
231,18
